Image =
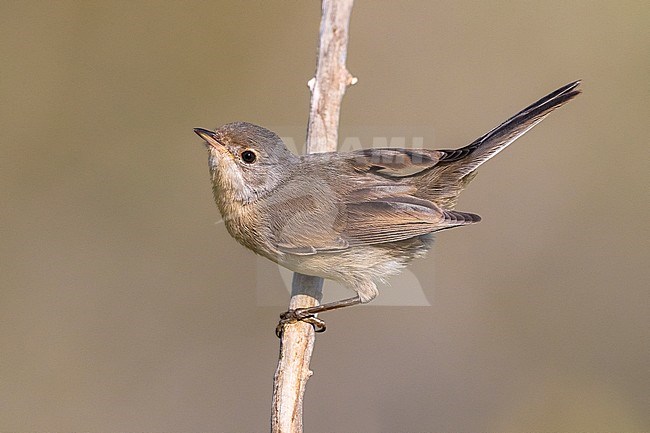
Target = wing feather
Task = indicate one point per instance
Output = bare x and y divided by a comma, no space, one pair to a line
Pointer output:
369,216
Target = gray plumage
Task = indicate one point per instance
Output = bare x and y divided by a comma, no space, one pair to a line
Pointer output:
354,217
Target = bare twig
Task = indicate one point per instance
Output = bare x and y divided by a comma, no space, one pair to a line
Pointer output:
327,90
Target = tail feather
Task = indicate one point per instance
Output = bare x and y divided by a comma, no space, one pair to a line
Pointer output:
470,157
455,169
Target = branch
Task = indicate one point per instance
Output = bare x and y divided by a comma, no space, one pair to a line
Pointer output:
327,90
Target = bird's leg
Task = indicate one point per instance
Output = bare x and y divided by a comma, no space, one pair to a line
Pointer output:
308,314
301,313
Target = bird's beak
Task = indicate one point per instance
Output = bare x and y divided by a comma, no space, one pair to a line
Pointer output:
209,137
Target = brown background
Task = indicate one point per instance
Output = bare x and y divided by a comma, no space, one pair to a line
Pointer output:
124,307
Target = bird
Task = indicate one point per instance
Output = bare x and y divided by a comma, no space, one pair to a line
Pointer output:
355,217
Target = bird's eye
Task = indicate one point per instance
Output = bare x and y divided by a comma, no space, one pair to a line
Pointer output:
248,156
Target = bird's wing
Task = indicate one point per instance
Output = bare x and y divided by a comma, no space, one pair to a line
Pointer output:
373,215
306,220
392,163
393,218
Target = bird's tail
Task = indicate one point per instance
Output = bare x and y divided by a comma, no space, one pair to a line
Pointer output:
456,167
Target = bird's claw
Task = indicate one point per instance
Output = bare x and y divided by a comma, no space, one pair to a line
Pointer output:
299,315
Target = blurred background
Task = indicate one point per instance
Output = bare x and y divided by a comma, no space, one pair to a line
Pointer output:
126,306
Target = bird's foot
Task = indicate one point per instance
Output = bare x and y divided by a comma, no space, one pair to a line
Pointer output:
299,315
